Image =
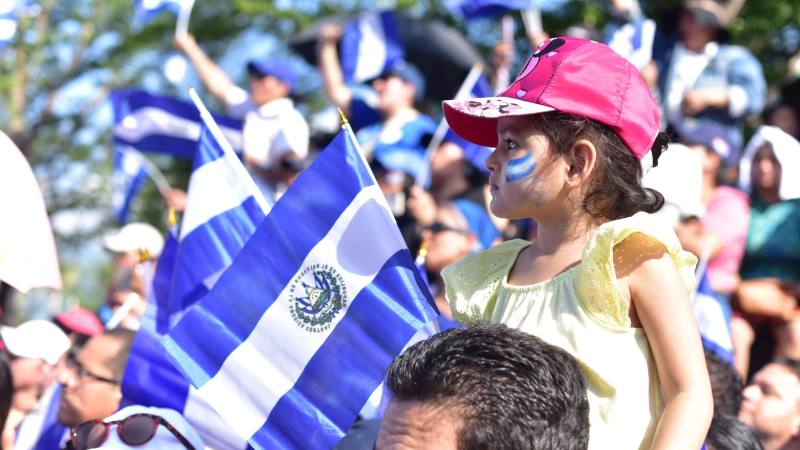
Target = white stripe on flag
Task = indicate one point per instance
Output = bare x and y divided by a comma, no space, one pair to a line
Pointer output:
264,367
151,120
207,199
218,434
371,48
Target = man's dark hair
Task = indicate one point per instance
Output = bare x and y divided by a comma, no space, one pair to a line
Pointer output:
120,359
728,433
616,189
726,386
509,389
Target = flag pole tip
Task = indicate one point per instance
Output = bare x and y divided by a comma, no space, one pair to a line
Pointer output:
342,117
172,218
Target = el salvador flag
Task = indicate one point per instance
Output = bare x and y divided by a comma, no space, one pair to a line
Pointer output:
370,44
147,10
159,124
127,177
223,210
298,332
713,319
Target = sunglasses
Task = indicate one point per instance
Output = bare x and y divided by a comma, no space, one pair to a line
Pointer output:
438,227
134,430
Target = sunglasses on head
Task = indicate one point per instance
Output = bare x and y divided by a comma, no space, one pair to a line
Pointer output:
134,430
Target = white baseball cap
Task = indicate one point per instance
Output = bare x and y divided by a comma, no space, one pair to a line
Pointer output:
163,439
36,339
135,237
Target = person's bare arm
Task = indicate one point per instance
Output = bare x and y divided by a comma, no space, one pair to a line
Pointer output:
330,69
662,306
215,80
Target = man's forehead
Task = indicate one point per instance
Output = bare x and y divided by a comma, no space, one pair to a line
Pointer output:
779,376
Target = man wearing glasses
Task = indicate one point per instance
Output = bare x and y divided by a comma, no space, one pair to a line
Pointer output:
91,378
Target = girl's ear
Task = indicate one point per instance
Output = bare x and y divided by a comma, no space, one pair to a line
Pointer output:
583,156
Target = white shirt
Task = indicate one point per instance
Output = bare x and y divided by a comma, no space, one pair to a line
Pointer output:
685,69
270,132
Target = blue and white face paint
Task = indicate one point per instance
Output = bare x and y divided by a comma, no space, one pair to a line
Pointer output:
519,168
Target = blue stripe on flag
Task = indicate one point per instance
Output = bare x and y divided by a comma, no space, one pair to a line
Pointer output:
210,248
375,310
128,176
370,36
150,378
268,267
126,103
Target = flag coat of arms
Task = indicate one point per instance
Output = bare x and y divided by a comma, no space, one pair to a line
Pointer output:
298,332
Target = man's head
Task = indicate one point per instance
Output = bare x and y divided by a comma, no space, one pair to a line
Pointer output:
269,80
398,87
91,378
771,403
486,386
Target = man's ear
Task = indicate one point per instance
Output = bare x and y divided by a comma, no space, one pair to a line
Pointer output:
582,158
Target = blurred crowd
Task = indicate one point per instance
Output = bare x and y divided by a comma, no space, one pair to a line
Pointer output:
728,180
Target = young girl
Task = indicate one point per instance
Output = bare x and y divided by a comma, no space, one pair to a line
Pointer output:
603,279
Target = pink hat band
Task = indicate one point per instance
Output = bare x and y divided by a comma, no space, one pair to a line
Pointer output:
571,75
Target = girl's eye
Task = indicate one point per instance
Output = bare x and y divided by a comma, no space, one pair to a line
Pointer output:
511,145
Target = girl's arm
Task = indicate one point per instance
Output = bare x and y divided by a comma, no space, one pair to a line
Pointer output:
660,300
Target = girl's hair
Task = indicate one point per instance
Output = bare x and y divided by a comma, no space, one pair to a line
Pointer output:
615,189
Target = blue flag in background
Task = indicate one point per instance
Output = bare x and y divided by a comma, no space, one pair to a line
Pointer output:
477,9
147,10
713,319
297,333
127,177
370,44
159,124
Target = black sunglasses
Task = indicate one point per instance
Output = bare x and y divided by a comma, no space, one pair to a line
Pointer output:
438,227
134,430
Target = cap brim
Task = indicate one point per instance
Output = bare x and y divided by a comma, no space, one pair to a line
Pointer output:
475,119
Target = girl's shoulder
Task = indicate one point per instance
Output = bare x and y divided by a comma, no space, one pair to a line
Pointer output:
621,242
471,283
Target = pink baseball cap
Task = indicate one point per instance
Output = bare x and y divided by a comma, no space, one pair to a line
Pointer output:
571,75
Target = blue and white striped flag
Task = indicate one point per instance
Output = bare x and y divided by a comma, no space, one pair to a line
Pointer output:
370,44
477,9
634,41
159,124
298,332
127,177
713,320
8,21
222,212
147,10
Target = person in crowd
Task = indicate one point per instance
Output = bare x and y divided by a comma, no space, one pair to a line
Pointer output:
485,386
6,393
276,135
767,296
35,348
726,386
782,114
603,280
132,246
79,324
771,405
137,427
729,433
703,77
721,235
91,378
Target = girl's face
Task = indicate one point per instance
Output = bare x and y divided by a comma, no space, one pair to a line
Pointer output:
766,169
525,179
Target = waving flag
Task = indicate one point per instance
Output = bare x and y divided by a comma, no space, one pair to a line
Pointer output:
370,44
713,320
476,9
634,41
147,10
127,177
222,212
298,332
158,124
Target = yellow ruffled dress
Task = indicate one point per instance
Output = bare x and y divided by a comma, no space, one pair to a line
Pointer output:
582,311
